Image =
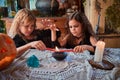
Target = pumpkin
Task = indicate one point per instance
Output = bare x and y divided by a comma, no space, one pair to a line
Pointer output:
7,51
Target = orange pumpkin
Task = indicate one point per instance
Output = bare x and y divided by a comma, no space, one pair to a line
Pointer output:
7,51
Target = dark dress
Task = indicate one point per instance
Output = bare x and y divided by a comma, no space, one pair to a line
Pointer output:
70,43
85,41
44,35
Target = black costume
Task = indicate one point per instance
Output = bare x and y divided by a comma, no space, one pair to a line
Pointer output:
85,41
44,35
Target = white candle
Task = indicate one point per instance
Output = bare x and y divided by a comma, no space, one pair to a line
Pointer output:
99,51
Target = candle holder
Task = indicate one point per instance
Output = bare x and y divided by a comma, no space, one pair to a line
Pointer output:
104,64
59,55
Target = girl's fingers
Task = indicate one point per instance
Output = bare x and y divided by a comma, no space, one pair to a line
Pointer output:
42,45
39,45
78,49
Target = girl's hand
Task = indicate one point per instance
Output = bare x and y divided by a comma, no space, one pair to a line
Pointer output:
53,27
38,45
49,24
63,40
80,48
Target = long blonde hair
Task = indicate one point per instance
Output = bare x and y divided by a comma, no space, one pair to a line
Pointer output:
21,16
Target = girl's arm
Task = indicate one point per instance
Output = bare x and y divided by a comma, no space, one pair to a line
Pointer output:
81,48
54,35
35,44
22,49
63,40
93,41
91,48
53,29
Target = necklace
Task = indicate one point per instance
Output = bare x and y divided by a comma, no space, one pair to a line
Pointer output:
26,41
78,37
29,39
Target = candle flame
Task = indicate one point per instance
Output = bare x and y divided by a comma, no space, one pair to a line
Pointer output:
56,49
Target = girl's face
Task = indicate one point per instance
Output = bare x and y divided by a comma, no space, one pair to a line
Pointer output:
75,28
27,28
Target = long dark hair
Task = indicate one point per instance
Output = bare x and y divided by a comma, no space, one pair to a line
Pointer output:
82,18
87,30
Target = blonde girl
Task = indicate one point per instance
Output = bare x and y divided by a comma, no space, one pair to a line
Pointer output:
24,33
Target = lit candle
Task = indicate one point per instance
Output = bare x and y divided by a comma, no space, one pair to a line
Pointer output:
56,49
59,55
99,51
